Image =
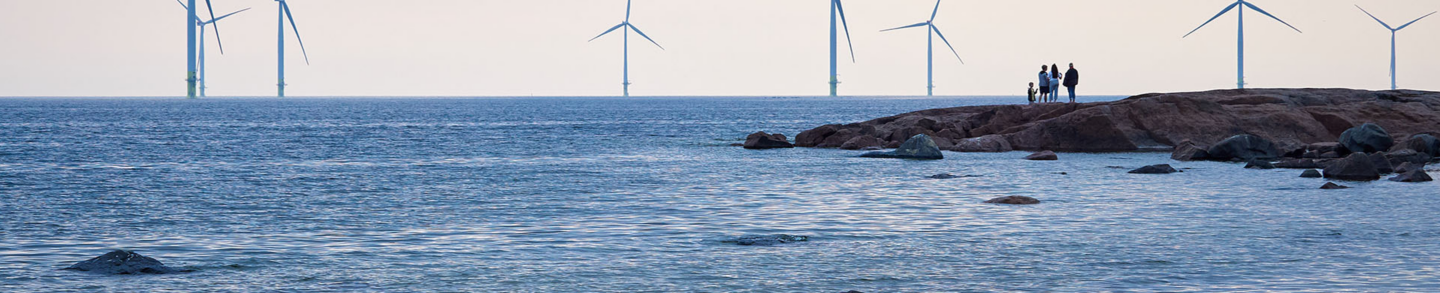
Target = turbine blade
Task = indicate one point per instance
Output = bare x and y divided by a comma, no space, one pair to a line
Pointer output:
1413,21
224,16
627,10
608,31
908,26
841,10
217,27
1257,9
642,34
297,31
1387,26
947,43
936,12
182,4
1222,12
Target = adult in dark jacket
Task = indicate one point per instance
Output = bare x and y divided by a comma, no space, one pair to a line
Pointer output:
1072,78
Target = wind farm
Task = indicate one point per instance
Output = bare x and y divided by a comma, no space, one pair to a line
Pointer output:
201,25
930,32
1393,31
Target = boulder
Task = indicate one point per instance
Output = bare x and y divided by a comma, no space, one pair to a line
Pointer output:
1332,185
1043,156
1424,143
1155,169
1311,173
1407,166
1366,138
762,140
861,142
1382,163
1014,199
1356,167
1412,176
838,138
766,240
1325,147
1408,156
989,143
1259,164
122,262
919,147
951,134
1189,151
813,137
1243,147
1298,164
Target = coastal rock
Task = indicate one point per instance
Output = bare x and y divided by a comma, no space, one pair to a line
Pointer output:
813,137
984,144
120,262
1243,147
1311,173
1332,185
1155,169
838,138
1043,156
1014,199
861,142
762,140
1407,167
1189,151
1366,138
1259,164
1408,156
1412,176
1356,167
1298,164
945,176
918,147
1425,144
1382,163
766,240
1325,147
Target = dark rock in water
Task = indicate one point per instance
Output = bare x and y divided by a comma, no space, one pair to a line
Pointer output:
122,262
862,142
1189,151
918,147
984,144
1155,169
1043,156
1326,147
1413,176
951,176
766,240
1424,143
762,140
1332,185
1311,173
1259,164
852,291
1297,164
1243,147
1407,167
1382,163
1366,138
1356,167
1408,156
813,137
1014,199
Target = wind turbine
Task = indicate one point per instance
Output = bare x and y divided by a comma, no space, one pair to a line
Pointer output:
1240,14
280,43
1392,41
836,8
202,25
626,24
930,47
190,19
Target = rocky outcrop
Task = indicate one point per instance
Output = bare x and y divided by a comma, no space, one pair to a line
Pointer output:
766,240
1408,156
1014,199
1043,156
1412,176
1424,143
1366,138
1332,185
1407,167
1356,167
1259,164
1155,169
918,147
1243,147
1189,151
1298,164
862,142
1290,119
1311,173
122,262
762,140
983,144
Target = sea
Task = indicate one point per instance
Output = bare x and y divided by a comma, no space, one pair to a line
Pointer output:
568,194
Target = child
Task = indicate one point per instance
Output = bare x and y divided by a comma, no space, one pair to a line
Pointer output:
1032,92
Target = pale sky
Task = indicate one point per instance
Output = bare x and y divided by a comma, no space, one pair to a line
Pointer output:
712,48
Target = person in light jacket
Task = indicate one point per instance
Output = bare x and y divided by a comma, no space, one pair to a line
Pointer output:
1044,83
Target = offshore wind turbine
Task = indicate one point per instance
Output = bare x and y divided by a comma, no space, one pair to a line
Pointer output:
1240,14
280,43
1392,40
190,19
202,25
626,51
837,9
931,32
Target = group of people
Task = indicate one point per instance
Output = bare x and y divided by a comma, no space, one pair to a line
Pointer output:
1050,81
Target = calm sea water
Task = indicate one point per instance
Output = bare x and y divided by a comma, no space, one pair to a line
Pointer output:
638,195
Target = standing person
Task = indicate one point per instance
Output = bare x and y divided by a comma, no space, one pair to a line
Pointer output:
1044,83
1072,78
1031,91
1054,83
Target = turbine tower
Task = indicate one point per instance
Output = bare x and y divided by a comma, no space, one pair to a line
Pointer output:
931,32
1392,41
626,51
1240,14
190,20
837,9
202,25
280,43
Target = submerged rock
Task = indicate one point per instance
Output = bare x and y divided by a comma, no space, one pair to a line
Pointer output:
1366,138
122,262
1298,164
918,147
1311,173
1332,185
951,176
766,240
1243,147
761,140
1356,167
1155,169
1413,176
1043,156
1014,199
1259,164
